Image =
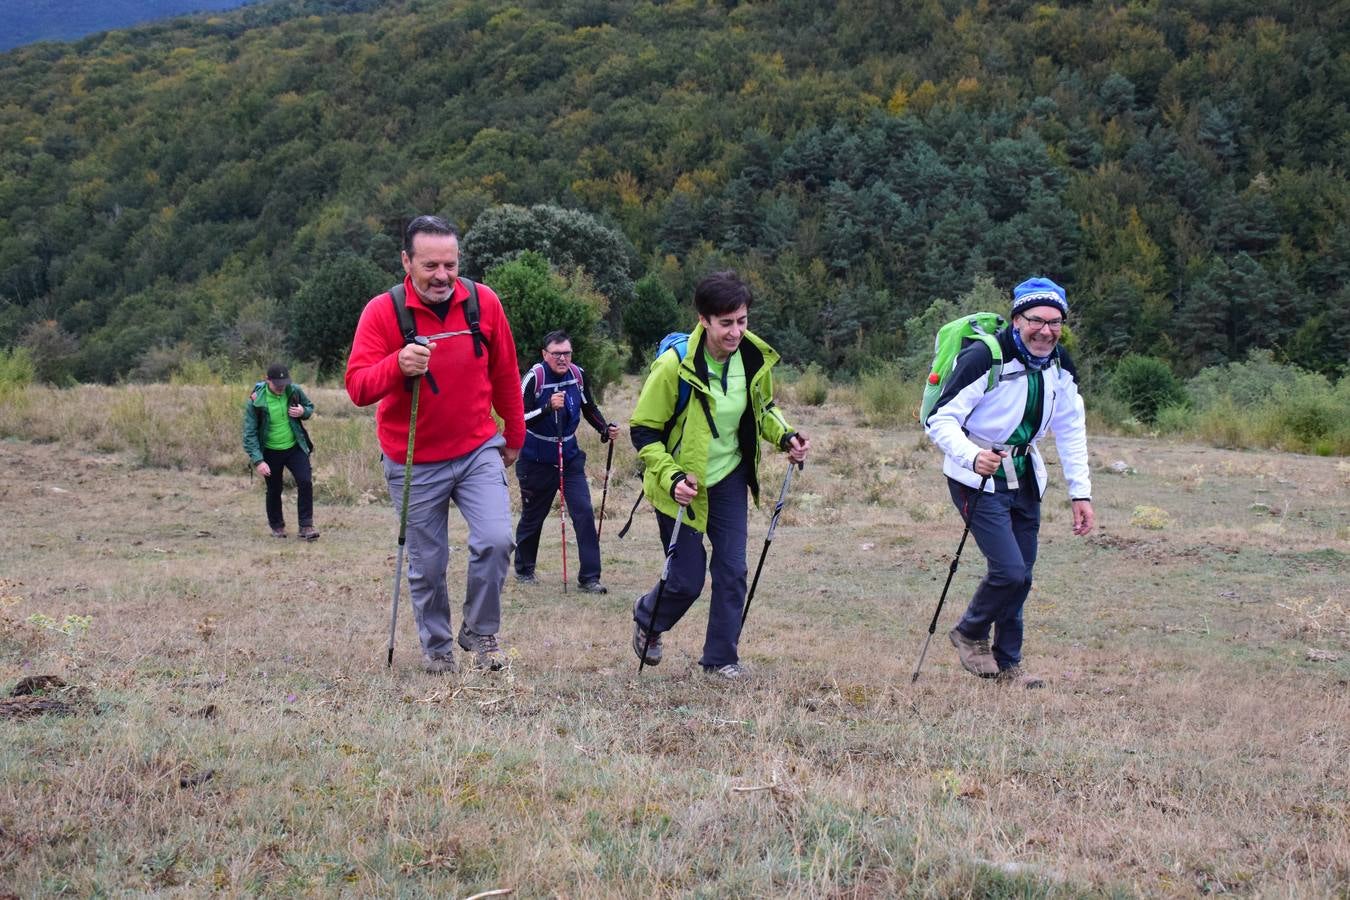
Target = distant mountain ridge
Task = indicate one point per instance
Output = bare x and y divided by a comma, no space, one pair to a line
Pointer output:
28,21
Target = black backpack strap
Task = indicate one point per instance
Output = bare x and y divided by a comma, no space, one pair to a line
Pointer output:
471,315
632,512
408,327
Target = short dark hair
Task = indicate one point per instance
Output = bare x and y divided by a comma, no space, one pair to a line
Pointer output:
555,337
720,293
427,225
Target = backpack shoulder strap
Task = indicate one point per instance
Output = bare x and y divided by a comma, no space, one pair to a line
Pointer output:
406,325
537,370
471,315
995,351
580,379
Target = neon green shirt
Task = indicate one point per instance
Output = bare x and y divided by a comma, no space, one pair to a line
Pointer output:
727,381
279,435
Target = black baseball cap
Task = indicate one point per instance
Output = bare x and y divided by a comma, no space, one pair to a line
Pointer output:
278,373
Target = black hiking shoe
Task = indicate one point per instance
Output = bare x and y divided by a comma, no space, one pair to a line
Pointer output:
526,578
308,533
279,531
640,640
592,587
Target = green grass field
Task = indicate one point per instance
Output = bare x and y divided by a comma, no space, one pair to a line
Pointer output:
232,727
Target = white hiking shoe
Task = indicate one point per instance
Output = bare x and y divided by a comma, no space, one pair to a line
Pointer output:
729,672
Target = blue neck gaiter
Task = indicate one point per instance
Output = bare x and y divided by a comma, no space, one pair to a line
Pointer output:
1032,362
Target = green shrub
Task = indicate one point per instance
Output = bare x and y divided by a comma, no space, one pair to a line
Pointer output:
884,399
1308,416
812,387
1146,384
1248,383
1174,419
52,351
1108,413
16,369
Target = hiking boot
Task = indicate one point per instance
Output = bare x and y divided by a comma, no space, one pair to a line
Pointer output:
640,640
592,587
439,665
526,578
486,652
729,672
279,531
976,657
1014,676
308,533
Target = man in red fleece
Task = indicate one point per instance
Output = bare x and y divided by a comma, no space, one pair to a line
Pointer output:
458,454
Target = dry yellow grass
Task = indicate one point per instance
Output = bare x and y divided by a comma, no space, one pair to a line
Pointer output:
241,734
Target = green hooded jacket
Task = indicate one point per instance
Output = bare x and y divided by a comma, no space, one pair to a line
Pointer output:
255,420
670,445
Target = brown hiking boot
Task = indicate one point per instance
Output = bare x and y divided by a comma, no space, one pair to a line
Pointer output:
976,657
308,533
439,665
642,642
487,654
1014,676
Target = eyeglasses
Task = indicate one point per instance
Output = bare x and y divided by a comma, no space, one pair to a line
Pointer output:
559,354
1037,323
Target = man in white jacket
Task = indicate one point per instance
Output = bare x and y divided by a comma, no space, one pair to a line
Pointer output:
995,472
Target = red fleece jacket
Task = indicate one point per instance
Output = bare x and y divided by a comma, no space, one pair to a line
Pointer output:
458,418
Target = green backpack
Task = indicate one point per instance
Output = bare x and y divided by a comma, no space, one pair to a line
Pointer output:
950,340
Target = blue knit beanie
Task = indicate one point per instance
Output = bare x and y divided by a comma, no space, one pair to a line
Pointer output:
1039,292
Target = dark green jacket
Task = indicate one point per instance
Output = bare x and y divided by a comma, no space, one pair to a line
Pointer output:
255,420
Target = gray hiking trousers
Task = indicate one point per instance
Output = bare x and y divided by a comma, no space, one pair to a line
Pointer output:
476,483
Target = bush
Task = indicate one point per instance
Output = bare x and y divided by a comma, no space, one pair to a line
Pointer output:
16,369
1146,384
884,400
322,315
1309,416
653,313
52,351
1174,419
1262,403
812,388
1249,383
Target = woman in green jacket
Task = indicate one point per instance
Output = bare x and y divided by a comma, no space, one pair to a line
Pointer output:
697,427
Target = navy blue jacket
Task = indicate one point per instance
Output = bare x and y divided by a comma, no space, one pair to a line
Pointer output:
541,435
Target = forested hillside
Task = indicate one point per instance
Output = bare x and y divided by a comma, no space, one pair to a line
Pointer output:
1179,166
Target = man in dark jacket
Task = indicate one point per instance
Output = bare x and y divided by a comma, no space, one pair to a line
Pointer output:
556,398
275,440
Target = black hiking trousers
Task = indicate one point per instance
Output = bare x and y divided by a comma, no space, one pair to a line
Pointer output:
297,460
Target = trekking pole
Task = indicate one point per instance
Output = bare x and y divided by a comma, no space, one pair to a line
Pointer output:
661,586
562,499
403,516
932,626
768,538
609,462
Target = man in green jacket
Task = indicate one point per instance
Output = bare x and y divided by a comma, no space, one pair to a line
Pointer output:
700,449
275,440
